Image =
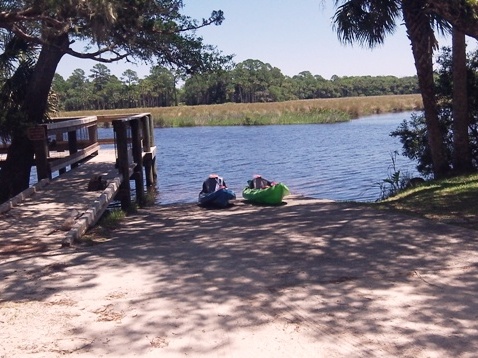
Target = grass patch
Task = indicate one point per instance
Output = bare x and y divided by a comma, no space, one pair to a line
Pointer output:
108,222
290,112
453,201
112,218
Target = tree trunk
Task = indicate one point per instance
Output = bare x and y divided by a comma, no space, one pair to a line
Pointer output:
422,41
15,174
461,159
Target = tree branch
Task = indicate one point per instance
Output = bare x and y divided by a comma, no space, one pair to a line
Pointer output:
461,15
96,55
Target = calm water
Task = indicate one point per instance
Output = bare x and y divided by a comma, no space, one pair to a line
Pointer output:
343,161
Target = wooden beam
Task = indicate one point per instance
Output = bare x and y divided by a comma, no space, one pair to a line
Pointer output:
57,164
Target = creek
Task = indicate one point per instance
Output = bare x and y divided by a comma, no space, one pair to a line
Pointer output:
341,161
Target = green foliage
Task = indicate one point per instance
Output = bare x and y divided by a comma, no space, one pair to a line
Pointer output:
395,182
413,133
366,22
250,82
413,136
111,218
152,31
16,68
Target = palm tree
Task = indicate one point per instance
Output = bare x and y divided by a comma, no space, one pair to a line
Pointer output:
369,21
461,158
423,42
16,68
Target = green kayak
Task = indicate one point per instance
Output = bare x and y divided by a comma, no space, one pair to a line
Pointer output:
272,195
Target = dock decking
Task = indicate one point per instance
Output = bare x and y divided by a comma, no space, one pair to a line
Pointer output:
58,211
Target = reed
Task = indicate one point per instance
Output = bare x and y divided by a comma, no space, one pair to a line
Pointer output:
290,112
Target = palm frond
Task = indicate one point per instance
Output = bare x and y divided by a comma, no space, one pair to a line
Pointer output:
367,22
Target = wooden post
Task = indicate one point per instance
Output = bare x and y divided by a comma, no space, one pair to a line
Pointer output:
93,135
148,159
151,130
148,169
59,138
123,163
73,145
138,158
153,166
146,133
152,144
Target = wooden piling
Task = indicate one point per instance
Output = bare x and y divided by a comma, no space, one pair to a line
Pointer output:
137,158
123,162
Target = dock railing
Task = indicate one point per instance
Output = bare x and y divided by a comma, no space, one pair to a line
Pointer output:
70,141
63,143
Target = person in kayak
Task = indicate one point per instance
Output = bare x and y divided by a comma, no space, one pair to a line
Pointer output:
258,182
213,183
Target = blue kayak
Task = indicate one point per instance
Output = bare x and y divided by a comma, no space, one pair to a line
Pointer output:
219,198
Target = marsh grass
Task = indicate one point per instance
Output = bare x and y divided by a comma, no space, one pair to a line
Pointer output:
452,201
290,112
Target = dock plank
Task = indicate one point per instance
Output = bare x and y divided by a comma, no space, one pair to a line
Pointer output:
61,210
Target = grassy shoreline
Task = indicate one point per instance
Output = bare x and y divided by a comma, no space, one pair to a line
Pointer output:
291,112
452,201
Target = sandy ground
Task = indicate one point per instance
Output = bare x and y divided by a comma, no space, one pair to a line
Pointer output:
310,278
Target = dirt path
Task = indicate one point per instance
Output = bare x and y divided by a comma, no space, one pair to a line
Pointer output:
308,279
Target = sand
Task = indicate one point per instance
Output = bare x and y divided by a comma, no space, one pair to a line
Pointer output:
311,278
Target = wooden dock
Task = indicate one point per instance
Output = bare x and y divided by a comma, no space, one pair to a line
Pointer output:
59,210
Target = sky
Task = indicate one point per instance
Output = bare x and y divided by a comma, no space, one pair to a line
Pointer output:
292,35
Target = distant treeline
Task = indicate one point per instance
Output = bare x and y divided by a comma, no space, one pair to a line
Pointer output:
250,81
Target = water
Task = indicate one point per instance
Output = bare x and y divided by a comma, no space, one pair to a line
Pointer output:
343,161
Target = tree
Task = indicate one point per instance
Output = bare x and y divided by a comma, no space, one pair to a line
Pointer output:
144,30
161,87
423,43
130,77
207,88
368,22
16,64
78,90
252,79
462,14
306,85
60,88
130,84
462,162
412,133
100,75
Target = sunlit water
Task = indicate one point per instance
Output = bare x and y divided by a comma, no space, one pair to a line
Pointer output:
344,161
